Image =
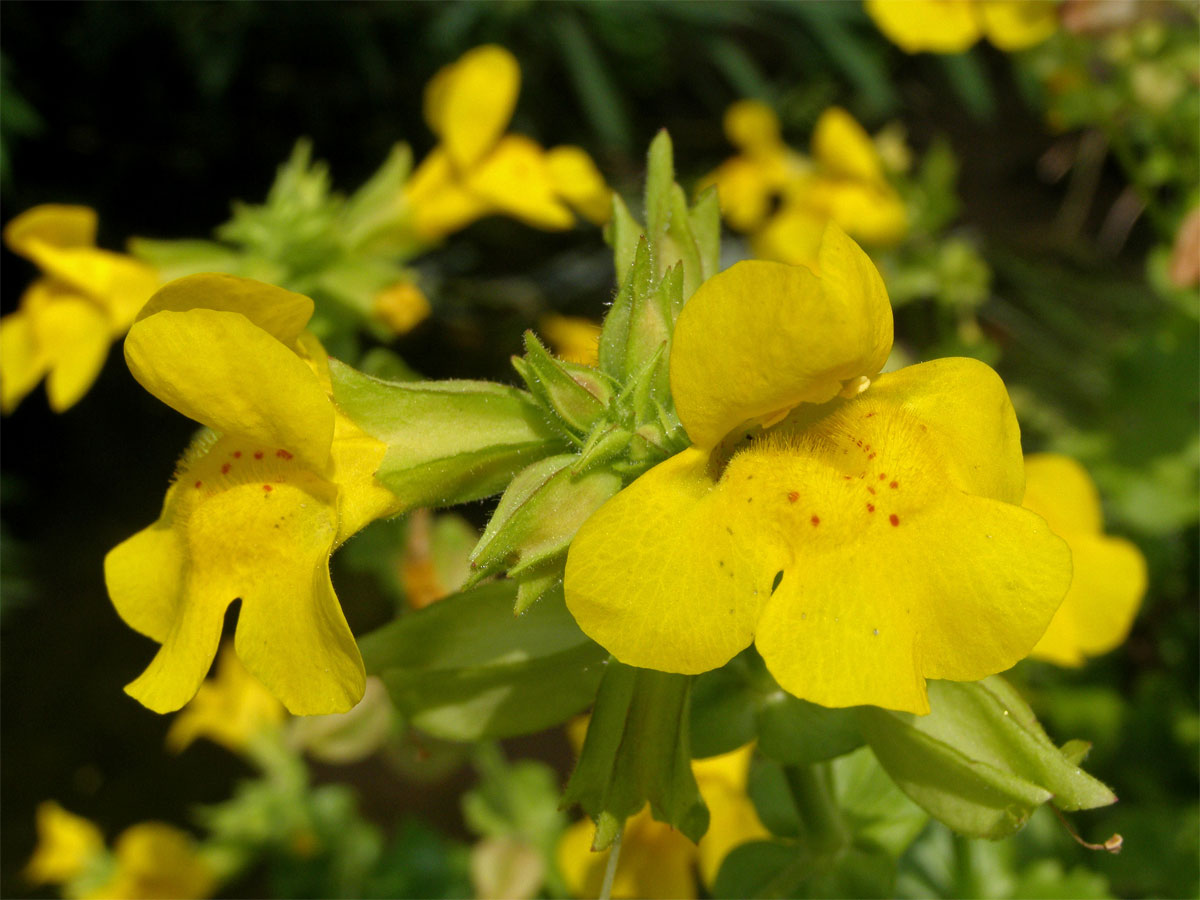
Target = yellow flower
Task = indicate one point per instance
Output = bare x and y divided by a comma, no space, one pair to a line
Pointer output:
155,861
952,26
1110,573
477,169
67,845
402,307
230,709
66,320
862,529
573,338
658,861
258,504
846,185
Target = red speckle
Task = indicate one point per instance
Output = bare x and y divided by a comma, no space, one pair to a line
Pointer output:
283,454
872,456
793,496
237,454
225,468
268,489
198,483
816,521
258,454
882,476
894,519
847,477
923,428
870,507
894,485
870,490
868,415
858,443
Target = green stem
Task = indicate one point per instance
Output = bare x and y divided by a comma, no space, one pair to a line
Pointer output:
813,795
610,871
966,885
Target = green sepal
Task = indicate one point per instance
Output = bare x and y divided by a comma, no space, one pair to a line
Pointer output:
705,220
373,217
622,233
175,259
685,251
448,441
577,394
537,582
624,326
539,514
466,668
636,750
603,446
980,762
660,178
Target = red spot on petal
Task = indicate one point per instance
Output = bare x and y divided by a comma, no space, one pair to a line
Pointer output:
793,496
225,468
870,507
268,489
882,476
894,519
870,490
237,454
868,415
871,456
283,454
258,454
816,521
847,477
198,483
923,428
894,485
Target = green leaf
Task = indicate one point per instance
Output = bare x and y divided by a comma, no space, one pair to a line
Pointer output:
466,668
774,869
448,441
636,751
175,259
539,514
722,712
798,732
979,762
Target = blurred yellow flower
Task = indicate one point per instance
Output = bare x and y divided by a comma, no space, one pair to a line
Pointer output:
656,860
86,298
824,511
155,861
1109,573
844,182
477,170
67,845
258,504
953,26
230,709
573,338
402,307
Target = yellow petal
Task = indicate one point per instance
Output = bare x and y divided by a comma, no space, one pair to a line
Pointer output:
117,283
793,236
666,575
156,861
515,179
278,312
225,372
744,191
144,576
1109,573
469,103
573,338
440,204
402,307
761,338
1060,490
66,845
231,709
655,861
53,224
577,180
870,212
1017,24
361,499
843,149
733,820
22,364
73,335
939,26
752,126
